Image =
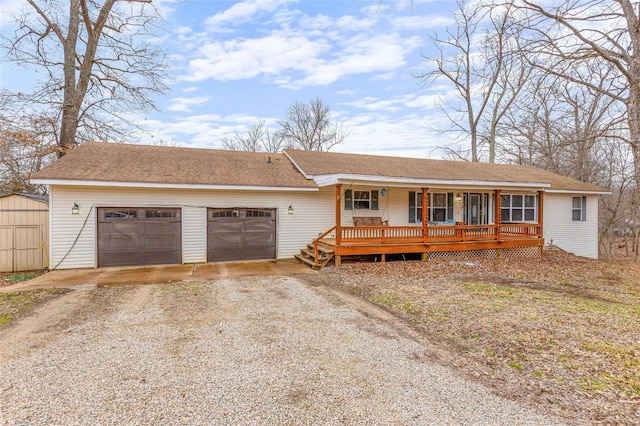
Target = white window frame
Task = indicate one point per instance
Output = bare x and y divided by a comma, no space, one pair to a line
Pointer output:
357,201
418,207
580,209
521,209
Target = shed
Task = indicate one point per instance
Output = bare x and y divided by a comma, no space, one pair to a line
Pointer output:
24,227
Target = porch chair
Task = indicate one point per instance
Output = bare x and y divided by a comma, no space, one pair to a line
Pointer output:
369,221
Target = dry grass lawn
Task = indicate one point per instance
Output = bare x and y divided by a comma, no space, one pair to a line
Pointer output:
561,333
17,304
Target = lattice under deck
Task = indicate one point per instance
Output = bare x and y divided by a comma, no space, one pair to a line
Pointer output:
505,253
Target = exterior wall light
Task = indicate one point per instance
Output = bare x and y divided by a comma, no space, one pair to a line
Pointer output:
75,209
459,197
290,209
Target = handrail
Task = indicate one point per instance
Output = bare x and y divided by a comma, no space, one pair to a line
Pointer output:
315,244
440,233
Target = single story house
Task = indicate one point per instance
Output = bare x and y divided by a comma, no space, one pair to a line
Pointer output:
24,230
119,204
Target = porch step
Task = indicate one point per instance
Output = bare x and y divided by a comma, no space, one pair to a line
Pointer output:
307,255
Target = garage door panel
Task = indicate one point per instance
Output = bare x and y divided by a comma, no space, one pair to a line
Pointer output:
118,258
241,234
116,240
160,256
154,243
139,236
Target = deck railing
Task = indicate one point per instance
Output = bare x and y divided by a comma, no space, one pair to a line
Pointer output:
440,233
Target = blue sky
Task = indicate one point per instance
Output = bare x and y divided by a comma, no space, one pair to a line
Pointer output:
237,62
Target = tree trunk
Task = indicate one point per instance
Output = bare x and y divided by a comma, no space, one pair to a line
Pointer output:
70,107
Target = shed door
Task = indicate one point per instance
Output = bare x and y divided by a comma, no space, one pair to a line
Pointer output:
241,234
20,248
139,236
6,249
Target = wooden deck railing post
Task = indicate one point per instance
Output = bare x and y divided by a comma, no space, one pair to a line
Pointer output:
540,211
337,260
540,221
338,214
498,212
425,215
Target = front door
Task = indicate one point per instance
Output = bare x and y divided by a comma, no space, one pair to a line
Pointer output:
474,209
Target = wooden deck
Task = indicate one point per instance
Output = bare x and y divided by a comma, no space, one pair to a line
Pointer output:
382,240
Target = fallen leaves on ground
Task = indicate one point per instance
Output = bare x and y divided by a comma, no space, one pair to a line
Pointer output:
560,332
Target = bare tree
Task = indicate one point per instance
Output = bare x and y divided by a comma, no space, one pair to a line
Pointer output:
257,139
561,37
23,152
563,127
97,60
309,126
618,230
479,57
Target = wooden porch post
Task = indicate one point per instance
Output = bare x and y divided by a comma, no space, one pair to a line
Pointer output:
337,259
498,213
425,215
540,217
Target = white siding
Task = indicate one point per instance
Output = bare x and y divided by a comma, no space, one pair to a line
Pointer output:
580,238
394,206
313,214
194,225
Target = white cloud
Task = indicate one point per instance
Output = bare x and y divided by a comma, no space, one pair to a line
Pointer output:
185,104
398,103
201,130
279,55
244,11
244,59
404,136
359,55
299,50
422,22
9,8
384,76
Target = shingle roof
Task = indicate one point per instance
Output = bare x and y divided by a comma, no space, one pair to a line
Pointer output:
36,197
109,162
330,163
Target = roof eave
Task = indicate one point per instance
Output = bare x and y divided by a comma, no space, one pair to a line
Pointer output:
578,191
110,184
333,179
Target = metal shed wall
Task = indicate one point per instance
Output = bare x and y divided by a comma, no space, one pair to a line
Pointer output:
24,227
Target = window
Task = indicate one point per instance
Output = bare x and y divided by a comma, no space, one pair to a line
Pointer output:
440,207
121,214
160,213
258,213
579,209
360,200
225,213
519,208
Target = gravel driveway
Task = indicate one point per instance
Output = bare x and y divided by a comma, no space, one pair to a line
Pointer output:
260,350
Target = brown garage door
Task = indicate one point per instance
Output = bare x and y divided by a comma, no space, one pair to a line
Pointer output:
139,236
241,234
